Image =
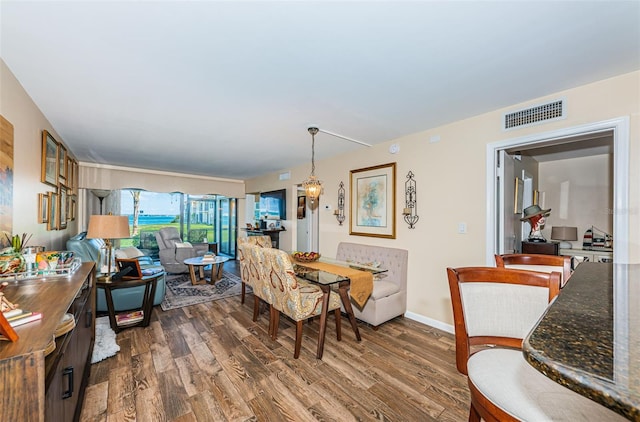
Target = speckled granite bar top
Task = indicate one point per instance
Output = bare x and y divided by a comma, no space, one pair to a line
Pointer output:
589,338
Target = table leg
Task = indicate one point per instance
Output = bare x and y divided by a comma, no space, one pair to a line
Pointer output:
194,277
344,296
216,272
111,309
323,320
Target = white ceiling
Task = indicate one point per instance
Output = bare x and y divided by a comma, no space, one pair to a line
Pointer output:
228,89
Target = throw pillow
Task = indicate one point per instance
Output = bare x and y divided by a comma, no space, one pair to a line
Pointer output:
183,245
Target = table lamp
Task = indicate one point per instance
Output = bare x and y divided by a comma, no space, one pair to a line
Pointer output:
108,227
564,234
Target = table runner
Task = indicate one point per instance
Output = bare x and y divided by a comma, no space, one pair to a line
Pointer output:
361,281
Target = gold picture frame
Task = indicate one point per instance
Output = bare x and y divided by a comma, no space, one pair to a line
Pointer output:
52,223
62,208
518,196
373,201
50,166
43,208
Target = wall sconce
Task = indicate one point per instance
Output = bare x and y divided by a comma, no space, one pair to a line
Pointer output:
339,213
410,211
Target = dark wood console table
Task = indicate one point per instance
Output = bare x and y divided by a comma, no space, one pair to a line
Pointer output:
35,387
544,248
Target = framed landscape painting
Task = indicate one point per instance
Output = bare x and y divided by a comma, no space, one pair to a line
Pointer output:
373,200
50,164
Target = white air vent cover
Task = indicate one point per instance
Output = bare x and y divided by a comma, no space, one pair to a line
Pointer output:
542,113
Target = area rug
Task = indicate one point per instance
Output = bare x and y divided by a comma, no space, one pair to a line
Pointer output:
105,345
180,292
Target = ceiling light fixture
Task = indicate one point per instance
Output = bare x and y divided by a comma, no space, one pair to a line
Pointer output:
312,186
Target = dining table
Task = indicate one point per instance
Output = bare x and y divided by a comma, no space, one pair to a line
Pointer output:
330,273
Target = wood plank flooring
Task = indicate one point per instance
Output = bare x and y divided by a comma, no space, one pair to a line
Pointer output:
211,362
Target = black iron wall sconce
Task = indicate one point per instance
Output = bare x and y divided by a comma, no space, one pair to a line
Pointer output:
410,211
339,213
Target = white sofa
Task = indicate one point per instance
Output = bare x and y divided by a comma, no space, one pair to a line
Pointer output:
389,297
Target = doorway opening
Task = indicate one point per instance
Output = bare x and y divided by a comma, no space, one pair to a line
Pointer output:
307,222
500,182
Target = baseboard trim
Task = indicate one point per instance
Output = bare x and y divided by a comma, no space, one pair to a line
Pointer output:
430,322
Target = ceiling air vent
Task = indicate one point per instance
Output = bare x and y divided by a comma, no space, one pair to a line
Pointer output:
542,113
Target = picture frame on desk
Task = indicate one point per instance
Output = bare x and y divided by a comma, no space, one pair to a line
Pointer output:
131,266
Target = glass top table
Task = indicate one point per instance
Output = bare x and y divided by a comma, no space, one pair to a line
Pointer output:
326,280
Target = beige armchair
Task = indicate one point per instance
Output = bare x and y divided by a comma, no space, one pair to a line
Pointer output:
173,251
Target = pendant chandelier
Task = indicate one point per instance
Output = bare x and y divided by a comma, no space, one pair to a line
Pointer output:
312,186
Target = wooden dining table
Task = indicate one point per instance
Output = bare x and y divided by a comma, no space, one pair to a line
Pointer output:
327,273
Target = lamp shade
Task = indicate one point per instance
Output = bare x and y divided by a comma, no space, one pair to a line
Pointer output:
108,227
564,233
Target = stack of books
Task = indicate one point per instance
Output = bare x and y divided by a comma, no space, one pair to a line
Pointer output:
208,257
129,318
17,317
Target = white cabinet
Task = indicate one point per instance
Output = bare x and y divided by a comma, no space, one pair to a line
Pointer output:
585,255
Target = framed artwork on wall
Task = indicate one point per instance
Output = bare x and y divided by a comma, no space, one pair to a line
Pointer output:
52,223
43,208
518,196
62,208
62,164
373,201
50,166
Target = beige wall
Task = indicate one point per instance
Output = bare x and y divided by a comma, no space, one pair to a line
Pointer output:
28,123
450,178
579,193
452,187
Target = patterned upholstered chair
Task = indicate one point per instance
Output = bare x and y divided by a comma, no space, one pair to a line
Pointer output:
499,307
296,298
536,262
250,273
261,241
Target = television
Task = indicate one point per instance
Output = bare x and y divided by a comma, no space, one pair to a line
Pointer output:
274,204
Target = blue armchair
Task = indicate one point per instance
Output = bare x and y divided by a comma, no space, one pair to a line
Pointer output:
123,299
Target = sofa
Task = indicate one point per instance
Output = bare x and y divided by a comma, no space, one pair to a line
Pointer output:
123,299
389,296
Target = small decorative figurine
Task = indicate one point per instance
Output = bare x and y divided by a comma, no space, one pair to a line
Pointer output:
536,218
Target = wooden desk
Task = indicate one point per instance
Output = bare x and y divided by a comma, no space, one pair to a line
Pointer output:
149,282
589,338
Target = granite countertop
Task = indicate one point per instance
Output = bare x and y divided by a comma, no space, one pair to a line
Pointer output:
589,338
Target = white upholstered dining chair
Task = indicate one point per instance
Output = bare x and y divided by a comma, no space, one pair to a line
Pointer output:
537,262
494,309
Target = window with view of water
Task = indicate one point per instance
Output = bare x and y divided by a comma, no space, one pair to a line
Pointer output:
198,218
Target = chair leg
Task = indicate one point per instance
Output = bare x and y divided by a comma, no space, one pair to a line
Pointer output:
275,322
296,352
244,286
256,307
474,416
338,324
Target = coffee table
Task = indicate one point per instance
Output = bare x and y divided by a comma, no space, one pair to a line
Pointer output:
216,269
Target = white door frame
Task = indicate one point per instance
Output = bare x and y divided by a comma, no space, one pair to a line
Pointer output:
620,128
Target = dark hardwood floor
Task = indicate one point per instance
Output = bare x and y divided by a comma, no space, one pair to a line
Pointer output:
211,362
